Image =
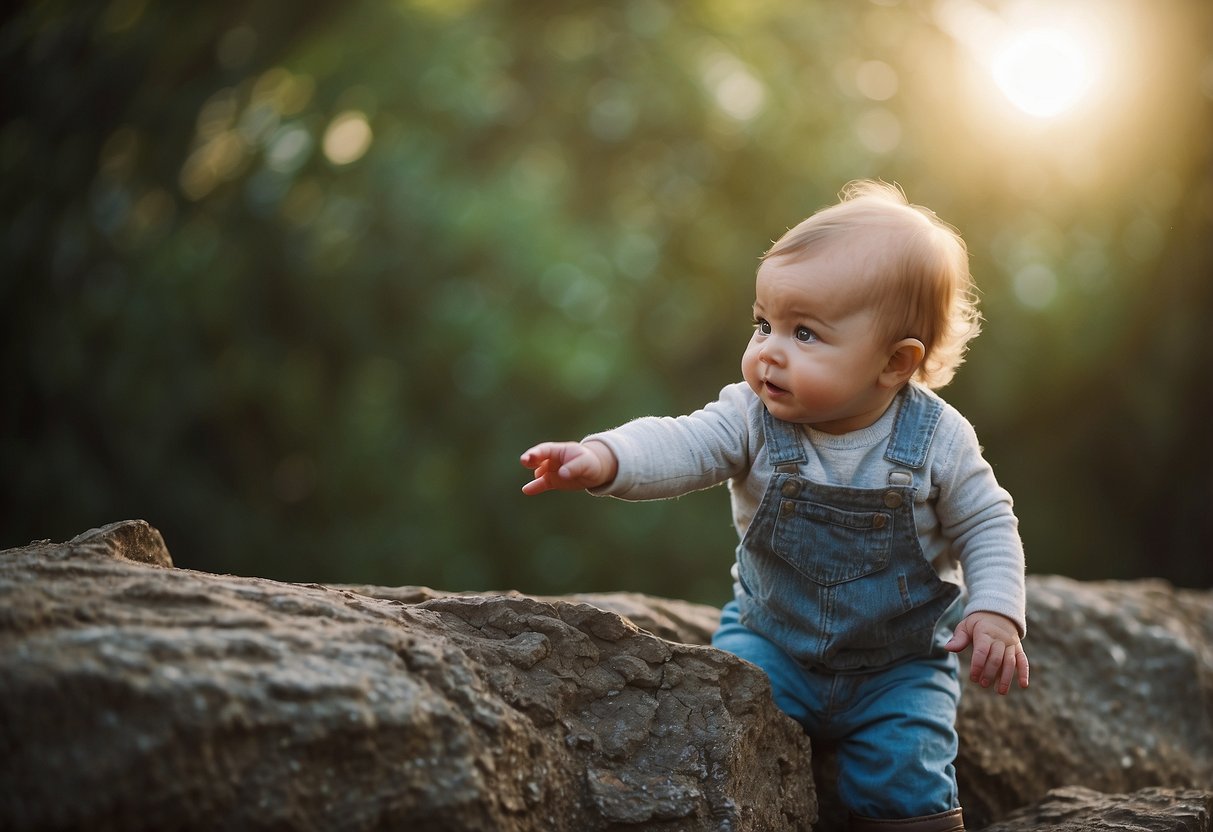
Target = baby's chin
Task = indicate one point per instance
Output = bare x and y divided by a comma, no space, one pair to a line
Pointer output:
782,406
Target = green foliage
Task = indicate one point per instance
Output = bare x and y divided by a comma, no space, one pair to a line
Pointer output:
297,283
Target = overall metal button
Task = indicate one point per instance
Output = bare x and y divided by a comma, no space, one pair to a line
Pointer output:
880,521
791,488
786,508
892,499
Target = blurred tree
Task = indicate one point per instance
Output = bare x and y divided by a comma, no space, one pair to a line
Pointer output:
298,283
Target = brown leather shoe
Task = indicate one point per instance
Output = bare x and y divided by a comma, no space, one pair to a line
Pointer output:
950,821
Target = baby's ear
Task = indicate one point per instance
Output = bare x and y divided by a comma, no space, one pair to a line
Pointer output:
904,361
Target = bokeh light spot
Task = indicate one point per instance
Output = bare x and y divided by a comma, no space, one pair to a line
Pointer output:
878,130
288,149
737,92
347,138
1035,285
876,80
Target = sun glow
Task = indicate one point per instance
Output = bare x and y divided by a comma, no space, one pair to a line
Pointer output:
1043,71
1048,63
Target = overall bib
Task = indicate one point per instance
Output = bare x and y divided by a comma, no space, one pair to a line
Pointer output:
836,601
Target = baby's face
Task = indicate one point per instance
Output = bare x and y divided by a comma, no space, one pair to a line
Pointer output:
816,357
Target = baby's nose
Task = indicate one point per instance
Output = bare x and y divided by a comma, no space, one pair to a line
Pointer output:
771,352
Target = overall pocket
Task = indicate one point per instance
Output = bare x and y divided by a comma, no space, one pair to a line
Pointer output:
830,546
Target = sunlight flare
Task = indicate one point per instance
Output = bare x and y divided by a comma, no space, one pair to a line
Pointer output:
1044,71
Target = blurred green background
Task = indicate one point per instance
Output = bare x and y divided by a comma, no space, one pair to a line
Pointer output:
297,282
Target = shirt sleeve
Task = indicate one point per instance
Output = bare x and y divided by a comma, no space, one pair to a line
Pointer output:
978,516
664,456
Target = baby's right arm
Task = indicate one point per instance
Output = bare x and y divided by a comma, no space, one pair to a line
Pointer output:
569,466
654,457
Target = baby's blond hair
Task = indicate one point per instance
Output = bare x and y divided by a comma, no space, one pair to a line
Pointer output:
913,270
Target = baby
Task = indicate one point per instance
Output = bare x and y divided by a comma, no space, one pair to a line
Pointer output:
862,500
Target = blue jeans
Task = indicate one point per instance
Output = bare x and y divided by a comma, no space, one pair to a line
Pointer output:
894,728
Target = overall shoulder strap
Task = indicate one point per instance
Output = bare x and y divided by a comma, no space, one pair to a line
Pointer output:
918,416
783,442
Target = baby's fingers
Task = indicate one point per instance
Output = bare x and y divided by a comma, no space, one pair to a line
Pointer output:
563,466
1003,664
1014,666
1008,671
987,663
541,482
1021,661
534,457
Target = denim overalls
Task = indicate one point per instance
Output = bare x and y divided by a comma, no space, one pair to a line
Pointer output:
837,603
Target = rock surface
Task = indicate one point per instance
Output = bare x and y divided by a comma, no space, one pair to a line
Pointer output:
138,696
1121,698
1077,809
673,620
134,695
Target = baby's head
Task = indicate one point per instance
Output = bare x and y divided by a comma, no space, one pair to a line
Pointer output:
910,268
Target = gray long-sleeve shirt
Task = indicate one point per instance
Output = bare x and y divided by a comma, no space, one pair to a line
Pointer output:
965,521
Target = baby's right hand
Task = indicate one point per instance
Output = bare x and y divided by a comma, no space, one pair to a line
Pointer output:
569,466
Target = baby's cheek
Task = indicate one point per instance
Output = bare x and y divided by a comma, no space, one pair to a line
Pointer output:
752,381
749,365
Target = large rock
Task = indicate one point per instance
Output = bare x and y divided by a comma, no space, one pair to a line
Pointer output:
1121,698
138,696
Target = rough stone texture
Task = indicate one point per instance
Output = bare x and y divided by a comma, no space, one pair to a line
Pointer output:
138,696
1121,698
1084,810
667,618
1121,695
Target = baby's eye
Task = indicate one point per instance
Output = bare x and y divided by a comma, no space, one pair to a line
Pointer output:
762,326
805,335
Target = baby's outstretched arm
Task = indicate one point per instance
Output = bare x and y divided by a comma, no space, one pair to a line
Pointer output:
998,655
569,466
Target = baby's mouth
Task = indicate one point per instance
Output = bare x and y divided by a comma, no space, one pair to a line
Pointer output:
774,389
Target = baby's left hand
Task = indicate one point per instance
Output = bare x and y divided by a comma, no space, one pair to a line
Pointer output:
997,652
